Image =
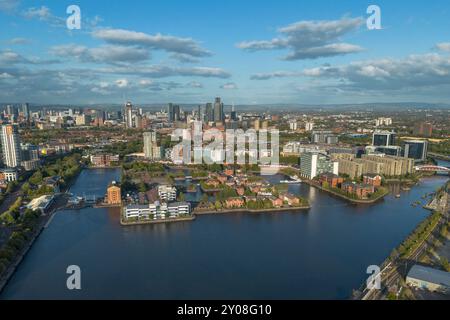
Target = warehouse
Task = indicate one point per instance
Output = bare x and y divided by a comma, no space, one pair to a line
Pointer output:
428,278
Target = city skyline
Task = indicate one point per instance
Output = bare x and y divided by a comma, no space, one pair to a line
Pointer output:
293,52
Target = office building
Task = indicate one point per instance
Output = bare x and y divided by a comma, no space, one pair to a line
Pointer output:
219,116
83,120
173,112
11,146
25,111
395,151
209,112
383,138
416,149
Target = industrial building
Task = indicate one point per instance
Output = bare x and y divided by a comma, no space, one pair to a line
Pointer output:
429,279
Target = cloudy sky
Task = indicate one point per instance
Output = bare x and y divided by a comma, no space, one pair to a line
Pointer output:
248,52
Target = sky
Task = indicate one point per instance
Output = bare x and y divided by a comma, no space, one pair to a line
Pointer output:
247,52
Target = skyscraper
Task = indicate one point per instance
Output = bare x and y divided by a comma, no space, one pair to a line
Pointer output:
149,144
233,115
218,110
25,111
129,115
209,112
11,146
173,112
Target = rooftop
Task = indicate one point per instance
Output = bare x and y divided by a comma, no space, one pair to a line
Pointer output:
430,275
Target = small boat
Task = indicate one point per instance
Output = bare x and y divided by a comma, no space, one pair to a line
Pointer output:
398,195
290,181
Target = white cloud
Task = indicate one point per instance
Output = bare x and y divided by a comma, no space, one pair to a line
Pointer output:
194,84
163,71
42,13
168,43
122,83
310,39
414,74
19,41
5,75
444,46
9,5
103,54
229,86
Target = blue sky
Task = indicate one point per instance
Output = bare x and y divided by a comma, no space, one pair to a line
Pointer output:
248,52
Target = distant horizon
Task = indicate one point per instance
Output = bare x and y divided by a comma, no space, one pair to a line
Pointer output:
410,104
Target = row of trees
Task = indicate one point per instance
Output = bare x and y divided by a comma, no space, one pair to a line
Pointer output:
23,231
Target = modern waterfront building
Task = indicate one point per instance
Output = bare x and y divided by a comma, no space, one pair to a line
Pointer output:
42,203
167,193
157,210
390,166
430,279
176,209
11,146
350,167
416,149
384,138
313,164
395,151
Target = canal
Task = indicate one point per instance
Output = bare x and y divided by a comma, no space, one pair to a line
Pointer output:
322,254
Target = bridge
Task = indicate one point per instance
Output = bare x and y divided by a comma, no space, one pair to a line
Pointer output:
432,168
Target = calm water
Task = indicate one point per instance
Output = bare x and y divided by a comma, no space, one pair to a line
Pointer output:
320,254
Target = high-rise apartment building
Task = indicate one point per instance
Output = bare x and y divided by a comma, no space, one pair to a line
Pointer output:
313,164
423,129
11,146
149,144
129,115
